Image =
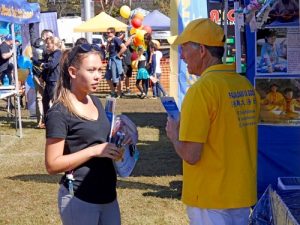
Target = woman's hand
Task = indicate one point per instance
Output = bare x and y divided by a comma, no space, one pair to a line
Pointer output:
108,150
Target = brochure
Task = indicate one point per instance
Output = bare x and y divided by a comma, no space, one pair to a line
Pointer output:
121,126
170,106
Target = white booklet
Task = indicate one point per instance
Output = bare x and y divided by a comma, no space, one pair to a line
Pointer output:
170,106
120,126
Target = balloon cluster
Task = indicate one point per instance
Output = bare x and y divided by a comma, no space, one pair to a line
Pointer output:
138,30
137,26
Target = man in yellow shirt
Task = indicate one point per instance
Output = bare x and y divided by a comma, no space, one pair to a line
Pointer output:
217,133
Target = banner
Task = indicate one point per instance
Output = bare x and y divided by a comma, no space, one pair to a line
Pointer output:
19,11
185,11
273,66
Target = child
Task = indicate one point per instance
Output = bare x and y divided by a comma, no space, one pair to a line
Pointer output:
290,103
269,54
142,74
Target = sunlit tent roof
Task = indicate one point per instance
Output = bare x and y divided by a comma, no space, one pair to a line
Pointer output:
157,21
100,23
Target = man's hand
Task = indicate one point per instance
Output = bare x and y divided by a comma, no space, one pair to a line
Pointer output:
172,129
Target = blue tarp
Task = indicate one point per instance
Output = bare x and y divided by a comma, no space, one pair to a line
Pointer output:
157,21
19,11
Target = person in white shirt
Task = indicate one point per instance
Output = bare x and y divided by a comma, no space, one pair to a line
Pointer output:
155,73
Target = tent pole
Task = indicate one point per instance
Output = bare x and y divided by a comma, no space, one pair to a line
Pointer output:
237,34
16,80
225,12
87,16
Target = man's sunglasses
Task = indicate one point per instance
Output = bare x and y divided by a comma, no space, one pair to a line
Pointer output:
83,48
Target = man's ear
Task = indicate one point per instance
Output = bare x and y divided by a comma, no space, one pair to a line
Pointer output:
203,50
72,71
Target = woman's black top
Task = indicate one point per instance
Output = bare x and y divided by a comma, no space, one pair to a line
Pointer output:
95,180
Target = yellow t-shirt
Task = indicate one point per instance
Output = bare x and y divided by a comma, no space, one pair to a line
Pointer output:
221,111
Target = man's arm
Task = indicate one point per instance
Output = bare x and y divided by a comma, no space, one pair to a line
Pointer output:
122,50
190,152
7,55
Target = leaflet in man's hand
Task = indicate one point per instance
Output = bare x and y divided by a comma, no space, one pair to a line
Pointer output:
171,107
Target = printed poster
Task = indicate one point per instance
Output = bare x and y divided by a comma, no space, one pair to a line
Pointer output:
280,100
278,51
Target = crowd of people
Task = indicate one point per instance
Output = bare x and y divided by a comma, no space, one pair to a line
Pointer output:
46,55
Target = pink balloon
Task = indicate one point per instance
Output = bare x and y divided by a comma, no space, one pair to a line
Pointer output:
136,22
148,29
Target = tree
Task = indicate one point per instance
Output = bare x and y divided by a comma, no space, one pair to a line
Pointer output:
62,7
43,4
111,7
163,6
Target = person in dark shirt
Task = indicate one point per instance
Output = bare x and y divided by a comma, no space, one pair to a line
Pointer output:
51,70
115,48
77,131
39,56
126,60
6,53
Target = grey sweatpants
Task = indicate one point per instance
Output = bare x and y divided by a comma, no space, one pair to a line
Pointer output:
74,211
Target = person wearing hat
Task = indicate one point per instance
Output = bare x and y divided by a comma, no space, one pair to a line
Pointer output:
6,53
216,136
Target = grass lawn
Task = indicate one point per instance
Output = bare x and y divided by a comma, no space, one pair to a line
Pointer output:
151,196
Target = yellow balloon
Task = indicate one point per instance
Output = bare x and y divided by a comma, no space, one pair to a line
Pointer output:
132,31
140,34
125,11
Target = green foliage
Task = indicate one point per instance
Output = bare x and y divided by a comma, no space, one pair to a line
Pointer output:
111,7
163,6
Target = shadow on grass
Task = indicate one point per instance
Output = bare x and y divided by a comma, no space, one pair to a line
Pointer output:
157,157
11,122
172,191
39,178
159,191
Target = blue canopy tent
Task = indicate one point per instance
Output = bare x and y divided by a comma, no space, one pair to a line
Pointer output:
157,21
18,12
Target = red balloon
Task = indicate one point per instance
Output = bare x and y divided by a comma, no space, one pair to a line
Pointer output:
134,56
136,22
148,29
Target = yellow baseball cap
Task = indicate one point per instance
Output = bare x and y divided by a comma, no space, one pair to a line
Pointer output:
202,31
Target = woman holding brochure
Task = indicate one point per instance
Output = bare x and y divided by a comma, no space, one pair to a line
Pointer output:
77,131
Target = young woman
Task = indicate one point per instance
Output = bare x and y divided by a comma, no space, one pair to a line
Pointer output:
77,131
142,74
